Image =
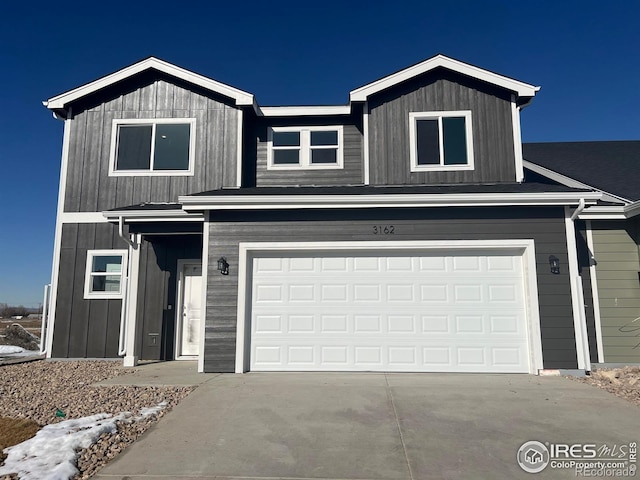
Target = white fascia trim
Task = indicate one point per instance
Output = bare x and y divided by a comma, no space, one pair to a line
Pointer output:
153,216
595,297
57,245
582,342
263,202
517,139
306,111
527,246
569,182
82,217
240,97
632,209
604,212
520,88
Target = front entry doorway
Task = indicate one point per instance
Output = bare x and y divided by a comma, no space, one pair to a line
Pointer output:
189,309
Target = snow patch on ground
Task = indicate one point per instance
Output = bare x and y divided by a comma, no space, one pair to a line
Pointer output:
52,453
12,351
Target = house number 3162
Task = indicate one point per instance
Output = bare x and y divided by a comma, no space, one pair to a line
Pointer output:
384,229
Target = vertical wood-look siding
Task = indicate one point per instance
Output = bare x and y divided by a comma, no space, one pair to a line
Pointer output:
157,291
91,328
90,188
491,118
350,174
545,226
617,266
84,328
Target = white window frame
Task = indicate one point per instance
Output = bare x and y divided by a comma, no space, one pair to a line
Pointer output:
413,150
152,122
305,148
91,254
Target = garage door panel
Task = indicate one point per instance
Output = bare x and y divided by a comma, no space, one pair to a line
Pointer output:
424,312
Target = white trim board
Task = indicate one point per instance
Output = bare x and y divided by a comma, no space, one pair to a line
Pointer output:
579,316
205,279
522,89
55,267
264,202
249,250
595,296
60,101
517,139
305,111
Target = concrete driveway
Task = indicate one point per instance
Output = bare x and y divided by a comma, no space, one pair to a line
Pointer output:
372,426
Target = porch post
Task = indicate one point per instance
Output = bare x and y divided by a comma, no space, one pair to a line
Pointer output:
131,357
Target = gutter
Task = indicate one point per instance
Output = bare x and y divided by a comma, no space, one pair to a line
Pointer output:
264,202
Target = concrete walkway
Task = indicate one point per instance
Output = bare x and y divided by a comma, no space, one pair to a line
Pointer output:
371,426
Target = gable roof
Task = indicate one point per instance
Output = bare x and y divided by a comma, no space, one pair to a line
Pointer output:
520,88
59,102
612,167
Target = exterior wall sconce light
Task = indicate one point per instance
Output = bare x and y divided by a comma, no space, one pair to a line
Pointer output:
223,266
554,263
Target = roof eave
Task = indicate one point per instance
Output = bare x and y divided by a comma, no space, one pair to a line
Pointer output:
520,88
60,102
263,202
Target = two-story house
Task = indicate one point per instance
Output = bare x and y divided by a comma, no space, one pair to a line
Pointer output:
394,233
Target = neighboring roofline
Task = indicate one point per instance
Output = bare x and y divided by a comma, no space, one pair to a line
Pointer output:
522,89
570,182
60,101
271,202
300,111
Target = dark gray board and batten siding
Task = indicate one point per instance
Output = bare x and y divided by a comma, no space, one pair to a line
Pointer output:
91,328
350,174
545,226
89,188
84,328
441,90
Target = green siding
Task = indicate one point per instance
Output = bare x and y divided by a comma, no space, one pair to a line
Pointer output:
616,253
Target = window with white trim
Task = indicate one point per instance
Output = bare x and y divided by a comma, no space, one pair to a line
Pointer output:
314,147
162,146
105,274
441,141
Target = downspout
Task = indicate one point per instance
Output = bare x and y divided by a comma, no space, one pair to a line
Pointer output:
583,324
45,316
578,210
124,311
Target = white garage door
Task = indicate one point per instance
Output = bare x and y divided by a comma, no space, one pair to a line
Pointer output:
413,313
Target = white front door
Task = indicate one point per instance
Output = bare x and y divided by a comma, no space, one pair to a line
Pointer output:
429,312
189,311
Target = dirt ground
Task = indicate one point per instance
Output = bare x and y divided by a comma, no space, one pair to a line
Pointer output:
621,382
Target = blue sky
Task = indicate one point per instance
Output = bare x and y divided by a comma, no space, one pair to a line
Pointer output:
584,55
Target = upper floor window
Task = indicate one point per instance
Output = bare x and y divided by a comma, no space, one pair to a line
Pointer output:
105,271
440,141
162,146
315,147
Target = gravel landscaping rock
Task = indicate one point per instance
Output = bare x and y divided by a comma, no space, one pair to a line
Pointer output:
622,382
37,390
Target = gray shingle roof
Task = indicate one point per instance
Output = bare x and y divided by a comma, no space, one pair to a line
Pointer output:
613,167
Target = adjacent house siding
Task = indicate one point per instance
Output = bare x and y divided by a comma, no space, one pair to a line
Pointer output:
441,90
90,188
617,266
84,328
350,174
545,226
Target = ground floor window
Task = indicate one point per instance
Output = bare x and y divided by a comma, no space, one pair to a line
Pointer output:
105,273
